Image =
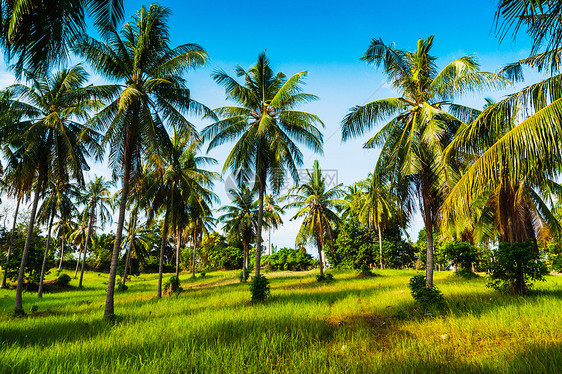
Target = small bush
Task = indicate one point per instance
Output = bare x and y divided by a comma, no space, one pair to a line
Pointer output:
172,285
241,276
327,277
34,309
202,274
515,267
63,280
425,297
259,288
366,271
122,287
465,273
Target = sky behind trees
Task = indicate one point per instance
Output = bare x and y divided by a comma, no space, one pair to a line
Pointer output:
327,39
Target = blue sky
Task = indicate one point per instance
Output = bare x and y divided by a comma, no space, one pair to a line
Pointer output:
327,39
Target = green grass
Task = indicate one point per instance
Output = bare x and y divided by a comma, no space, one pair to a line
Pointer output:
353,325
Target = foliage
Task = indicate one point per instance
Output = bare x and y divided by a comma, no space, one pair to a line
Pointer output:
425,297
35,256
289,259
172,285
259,288
63,280
366,271
462,254
515,267
215,254
326,277
122,287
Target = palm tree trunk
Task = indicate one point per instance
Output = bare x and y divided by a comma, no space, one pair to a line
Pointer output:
269,241
380,244
429,244
88,236
109,305
45,255
131,244
194,250
62,249
18,310
260,224
178,245
78,261
320,258
3,285
245,263
161,264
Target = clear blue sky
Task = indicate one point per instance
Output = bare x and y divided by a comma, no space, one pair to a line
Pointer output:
327,38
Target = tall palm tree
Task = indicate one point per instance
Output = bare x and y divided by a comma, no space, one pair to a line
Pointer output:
50,137
96,196
241,220
423,120
59,199
37,34
316,203
272,217
152,93
266,127
63,228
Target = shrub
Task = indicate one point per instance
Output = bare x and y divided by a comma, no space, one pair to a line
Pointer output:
172,285
425,297
366,271
327,277
122,287
63,280
202,274
259,288
515,267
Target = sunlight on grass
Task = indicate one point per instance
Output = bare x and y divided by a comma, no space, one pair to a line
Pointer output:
351,325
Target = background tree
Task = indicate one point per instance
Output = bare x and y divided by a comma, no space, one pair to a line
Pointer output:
316,203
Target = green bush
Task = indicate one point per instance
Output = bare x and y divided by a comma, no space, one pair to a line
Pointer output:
425,297
327,277
366,271
289,259
122,287
259,288
515,267
172,285
63,280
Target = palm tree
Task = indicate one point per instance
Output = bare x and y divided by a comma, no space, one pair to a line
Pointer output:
37,34
50,139
240,219
378,206
97,196
63,228
423,120
316,203
266,126
152,93
272,217
59,200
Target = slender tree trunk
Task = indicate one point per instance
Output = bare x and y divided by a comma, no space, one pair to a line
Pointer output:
178,245
320,258
429,242
5,275
45,255
161,264
78,261
245,262
260,224
380,244
269,241
62,249
88,236
131,244
18,310
109,305
194,250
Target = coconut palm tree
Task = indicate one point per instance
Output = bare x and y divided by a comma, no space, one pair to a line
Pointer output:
152,93
59,199
96,196
272,217
266,127
422,120
241,220
51,140
63,228
317,204
37,34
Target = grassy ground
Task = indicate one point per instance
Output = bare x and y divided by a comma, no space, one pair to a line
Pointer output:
354,325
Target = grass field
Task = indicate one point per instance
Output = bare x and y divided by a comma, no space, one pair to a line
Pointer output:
353,325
